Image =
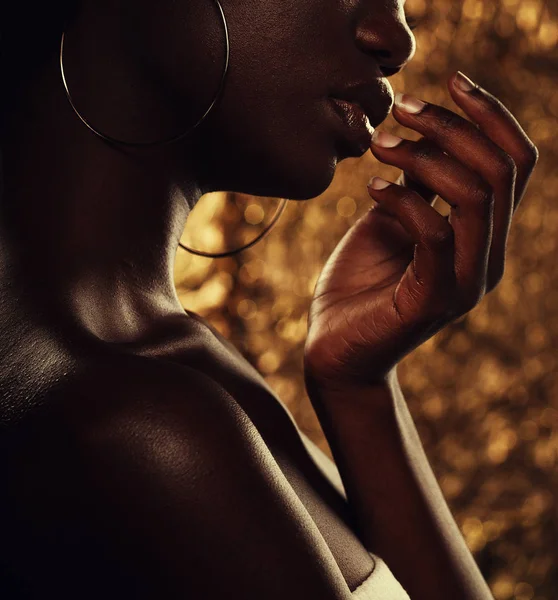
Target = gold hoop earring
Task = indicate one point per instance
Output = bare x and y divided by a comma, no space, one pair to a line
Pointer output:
278,213
176,138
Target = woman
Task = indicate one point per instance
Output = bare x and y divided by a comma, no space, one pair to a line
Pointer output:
142,456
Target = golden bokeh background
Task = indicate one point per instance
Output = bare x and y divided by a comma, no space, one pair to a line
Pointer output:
484,391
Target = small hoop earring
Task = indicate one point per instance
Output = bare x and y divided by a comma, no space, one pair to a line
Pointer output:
164,142
278,213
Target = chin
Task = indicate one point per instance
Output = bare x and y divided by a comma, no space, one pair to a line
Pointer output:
300,175
298,184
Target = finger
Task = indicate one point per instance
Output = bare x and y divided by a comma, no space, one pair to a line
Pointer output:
464,140
428,286
487,145
407,181
470,197
500,125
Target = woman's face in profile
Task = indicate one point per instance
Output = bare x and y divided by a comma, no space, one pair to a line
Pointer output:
275,131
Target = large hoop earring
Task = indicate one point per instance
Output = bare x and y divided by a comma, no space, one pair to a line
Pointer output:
176,138
164,142
278,213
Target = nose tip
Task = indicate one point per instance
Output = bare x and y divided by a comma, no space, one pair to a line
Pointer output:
391,43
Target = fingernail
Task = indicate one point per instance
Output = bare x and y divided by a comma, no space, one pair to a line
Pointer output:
463,82
377,183
409,104
385,140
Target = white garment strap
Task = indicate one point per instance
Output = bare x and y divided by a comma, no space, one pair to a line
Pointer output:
381,585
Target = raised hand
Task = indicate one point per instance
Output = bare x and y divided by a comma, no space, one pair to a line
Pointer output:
403,271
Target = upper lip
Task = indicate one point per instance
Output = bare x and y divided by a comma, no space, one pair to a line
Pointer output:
370,98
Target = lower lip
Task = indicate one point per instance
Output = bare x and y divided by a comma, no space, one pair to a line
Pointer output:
358,131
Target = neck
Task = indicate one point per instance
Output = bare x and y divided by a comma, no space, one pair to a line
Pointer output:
91,228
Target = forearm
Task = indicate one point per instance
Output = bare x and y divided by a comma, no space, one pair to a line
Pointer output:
397,503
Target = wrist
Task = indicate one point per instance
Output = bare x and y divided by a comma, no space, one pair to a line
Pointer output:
380,392
333,385
324,370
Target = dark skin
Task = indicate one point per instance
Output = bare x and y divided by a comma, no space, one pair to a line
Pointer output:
140,448
414,270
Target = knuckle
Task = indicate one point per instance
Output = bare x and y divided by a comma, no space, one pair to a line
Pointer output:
449,120
446,306
440,310
424,150
495,276
442,238
507,168
495,281
451,313
530,155
482,196
469,300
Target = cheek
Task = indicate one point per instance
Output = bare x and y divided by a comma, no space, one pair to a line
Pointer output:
280,153
182,49
272,118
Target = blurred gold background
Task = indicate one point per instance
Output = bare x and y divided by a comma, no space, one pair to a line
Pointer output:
484,391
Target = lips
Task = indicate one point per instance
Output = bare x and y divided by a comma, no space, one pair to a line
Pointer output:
361,107
372,99
357,129
353,114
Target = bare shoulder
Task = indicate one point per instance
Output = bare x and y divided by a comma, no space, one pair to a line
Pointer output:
154,483
137,391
